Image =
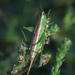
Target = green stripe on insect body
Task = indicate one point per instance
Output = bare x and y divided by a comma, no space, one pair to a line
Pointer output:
37,38
37,35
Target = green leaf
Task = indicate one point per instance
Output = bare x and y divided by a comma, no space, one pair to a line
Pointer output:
48,14
24,35
53,29
30,29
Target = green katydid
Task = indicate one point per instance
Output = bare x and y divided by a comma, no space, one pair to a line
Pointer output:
37,38
41,34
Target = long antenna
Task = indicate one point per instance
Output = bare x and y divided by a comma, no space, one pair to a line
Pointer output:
40,5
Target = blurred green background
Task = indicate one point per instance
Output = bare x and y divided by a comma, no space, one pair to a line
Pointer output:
14,14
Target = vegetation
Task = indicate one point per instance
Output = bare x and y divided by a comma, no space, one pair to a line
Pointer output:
18,21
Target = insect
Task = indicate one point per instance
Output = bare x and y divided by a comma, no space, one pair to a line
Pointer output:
37,39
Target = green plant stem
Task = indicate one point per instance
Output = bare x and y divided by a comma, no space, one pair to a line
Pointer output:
60,56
